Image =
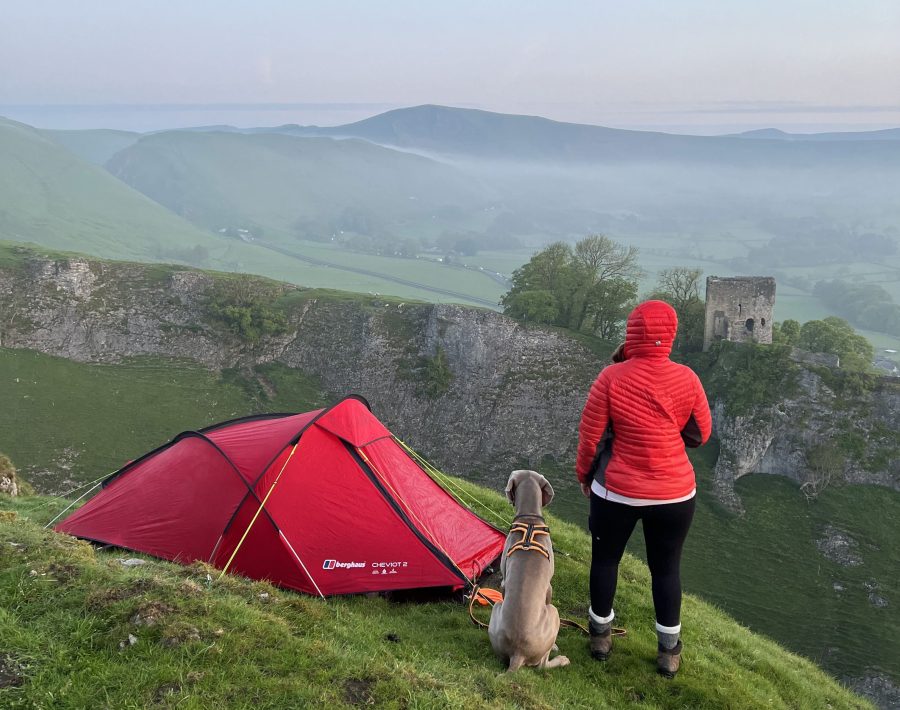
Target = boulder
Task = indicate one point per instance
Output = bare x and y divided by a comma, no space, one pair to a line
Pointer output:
9,481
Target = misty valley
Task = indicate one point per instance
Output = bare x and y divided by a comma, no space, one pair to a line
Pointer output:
468,273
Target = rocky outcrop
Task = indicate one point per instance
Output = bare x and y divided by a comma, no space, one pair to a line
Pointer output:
878,688
816,436
508,396
9,484
839,547
511,395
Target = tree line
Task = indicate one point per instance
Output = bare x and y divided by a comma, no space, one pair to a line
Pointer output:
867,305
591,286
830,335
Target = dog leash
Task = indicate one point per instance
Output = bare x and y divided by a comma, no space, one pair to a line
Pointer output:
492,596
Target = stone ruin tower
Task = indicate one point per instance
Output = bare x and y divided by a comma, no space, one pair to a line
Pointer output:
739,309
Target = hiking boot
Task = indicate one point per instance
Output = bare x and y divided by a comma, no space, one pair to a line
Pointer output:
668,660
601,644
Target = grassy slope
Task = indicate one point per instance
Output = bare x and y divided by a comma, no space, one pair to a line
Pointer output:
96,145
51,196
225,645
765,570
738,563
65,422
777,578
293,186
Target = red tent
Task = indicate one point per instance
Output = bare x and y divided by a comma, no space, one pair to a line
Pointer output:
325,502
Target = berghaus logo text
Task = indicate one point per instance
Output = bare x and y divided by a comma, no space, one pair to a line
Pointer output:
335,564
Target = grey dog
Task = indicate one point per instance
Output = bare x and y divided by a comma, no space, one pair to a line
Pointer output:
524,625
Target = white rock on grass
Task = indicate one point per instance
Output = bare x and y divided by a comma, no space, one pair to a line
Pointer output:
132,562
839,547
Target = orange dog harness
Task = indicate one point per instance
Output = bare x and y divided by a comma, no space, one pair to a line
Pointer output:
528,543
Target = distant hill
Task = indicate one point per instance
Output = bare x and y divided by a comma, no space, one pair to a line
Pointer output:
53,197
487,135
96,146
888,134
283,187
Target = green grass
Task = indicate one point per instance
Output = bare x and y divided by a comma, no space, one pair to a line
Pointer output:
66,612
53,197
776,576
64,422
424,271
764,568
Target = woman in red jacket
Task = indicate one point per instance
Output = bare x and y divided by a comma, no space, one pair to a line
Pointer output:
640,414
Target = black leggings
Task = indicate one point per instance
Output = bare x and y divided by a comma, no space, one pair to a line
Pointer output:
665,529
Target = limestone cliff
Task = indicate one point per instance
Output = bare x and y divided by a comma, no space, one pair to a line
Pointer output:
817,435
510,395
506,395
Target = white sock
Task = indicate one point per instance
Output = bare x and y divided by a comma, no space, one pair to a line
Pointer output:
667,636
601,624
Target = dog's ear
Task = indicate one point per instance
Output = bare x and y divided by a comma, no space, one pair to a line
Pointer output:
511,489
546,492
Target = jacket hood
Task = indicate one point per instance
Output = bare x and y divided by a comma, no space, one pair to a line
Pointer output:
650,330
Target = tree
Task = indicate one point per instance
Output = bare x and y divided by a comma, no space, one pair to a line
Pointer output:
548,271
599,259
606,259
786,333
588,287
680,287
247,305
824,464
836,336
866,305
535,306
681,284
609,302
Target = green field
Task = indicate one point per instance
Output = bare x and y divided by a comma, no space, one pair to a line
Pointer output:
65,422
52,197
55,199
68,614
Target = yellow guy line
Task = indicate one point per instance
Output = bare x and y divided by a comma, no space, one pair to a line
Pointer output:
259,510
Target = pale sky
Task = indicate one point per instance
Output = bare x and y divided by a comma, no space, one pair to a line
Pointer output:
698,66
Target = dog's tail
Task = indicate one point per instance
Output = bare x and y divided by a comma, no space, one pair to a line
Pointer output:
515,663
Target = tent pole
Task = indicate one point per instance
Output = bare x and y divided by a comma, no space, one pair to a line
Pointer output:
258,511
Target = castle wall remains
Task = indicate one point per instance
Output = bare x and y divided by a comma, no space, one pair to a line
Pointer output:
739,309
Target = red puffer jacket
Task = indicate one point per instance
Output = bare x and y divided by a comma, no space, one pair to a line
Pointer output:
649,402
